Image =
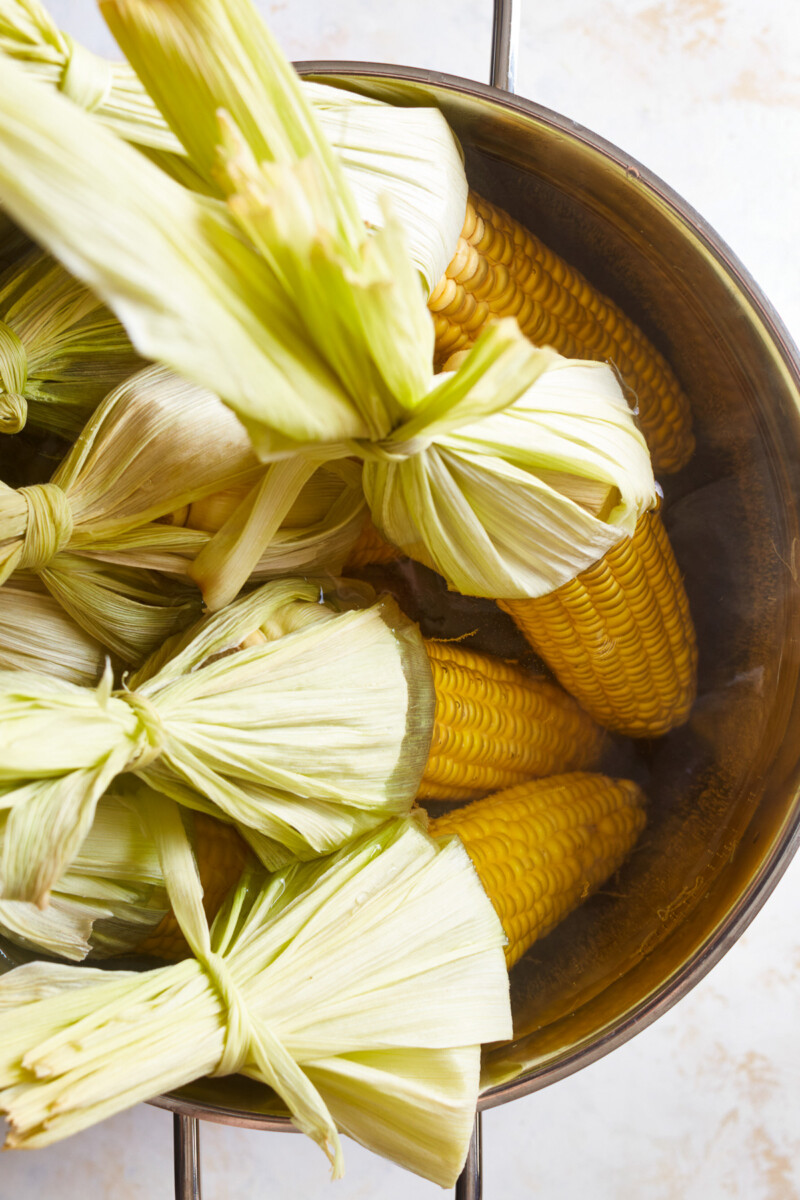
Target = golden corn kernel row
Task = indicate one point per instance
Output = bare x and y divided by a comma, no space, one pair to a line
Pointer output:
544,846
500,269
221,857
370,547
496,725
620,637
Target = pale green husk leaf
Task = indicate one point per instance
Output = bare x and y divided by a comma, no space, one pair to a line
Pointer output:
172,266
380,968
36,634
61,350
227,91
407,154
128,610
108,900
110,90
306,739
155,443
500,505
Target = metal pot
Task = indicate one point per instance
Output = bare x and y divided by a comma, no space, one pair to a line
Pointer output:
724,816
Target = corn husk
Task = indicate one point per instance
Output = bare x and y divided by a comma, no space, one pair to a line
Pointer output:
128,610
61,350
36,634
315,536
45,619
110,898
110,90
501,486
521,500
303,739
155,443
359,988
358,304
408,154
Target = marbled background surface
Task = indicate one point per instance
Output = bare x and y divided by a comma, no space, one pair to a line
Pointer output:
705,1103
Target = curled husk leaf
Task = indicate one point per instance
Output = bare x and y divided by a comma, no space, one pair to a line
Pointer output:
110,898
61,350
36,634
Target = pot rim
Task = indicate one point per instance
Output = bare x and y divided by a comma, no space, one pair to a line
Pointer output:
786,845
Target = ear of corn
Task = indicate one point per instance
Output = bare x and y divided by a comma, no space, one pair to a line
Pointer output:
500,269
356,985
620,636
225,731
496,725
543,847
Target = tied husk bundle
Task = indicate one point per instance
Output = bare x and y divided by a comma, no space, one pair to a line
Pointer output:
449,448
326,982
111,896
302,724
408,154
155,444
61,350
520,500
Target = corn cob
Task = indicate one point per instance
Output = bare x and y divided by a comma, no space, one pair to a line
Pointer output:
221,857
542,847
496,726
499,269
620,636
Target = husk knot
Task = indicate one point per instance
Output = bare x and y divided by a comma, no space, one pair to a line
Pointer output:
152,729
49,525
389,450
236,1051
13,377
86,79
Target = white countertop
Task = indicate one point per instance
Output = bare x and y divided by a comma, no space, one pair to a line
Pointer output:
703,1104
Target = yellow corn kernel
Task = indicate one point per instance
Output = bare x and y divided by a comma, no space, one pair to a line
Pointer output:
370,547
620,637
500,269
221,857
544,846
496,725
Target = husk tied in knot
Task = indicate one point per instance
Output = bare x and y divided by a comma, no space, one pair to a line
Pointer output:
37,522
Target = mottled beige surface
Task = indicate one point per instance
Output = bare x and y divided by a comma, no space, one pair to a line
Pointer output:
704,1104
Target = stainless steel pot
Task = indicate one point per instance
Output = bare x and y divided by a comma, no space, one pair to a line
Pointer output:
724,815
